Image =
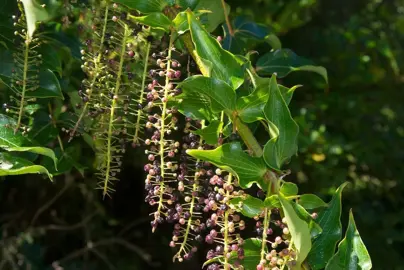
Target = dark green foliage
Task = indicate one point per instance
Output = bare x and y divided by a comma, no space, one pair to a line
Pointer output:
236,93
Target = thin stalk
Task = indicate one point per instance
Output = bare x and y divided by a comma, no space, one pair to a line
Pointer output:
226,16
195,187
140,101
24,82
163,120
113,107
54,125
267,219
226,228
248,137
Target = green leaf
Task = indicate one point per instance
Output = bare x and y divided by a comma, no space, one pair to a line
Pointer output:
52,57
311,201
181,23
32,108
34,149
249,206
272,202
273,41
155,20
185,4
251,108
245,32
287,93
222,64
252,253
289,189
34,12
11,165
283,129
220,95
299,231
195,106
352,253
233,159
43,130
212,19
329,220
210,134
145,6
315,229
284,61
6,63
49,86
7,136
67,160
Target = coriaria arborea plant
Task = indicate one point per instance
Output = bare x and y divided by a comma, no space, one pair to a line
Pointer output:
211,117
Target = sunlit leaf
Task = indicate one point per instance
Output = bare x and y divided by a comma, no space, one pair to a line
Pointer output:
215,15
155,19
248,206
289,189
232,158
222,64
11,165
311,201
34,12
283,129
299,231
210,134
329,220
220,95
352,253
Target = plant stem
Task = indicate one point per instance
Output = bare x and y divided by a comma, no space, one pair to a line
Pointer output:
140,101
248,137
195,187
162,129
113,107
54,125
24,82
226,16
226,228
267,220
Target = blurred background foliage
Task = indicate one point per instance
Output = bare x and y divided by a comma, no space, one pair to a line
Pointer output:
351,130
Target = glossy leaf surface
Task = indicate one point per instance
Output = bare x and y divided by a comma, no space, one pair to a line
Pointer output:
11,165
299,231
352,253
283,129
222,64
284,61
232,158
249,206
210,134
220,95
329,220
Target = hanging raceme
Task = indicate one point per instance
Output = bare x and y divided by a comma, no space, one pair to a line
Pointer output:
192,180
25,74
94,65
161,123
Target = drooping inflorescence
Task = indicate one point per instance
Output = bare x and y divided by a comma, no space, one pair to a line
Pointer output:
115,60
25,73
162,151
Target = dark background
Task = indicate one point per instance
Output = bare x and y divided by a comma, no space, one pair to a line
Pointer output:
351,130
